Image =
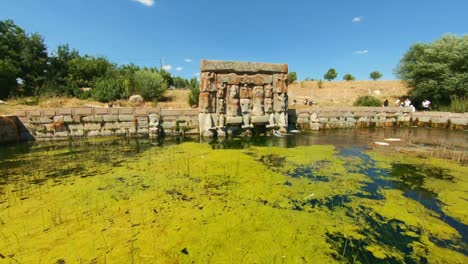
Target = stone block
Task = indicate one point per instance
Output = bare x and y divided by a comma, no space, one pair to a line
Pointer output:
63,111
107,133
75,127
126,125
459,121
140,112
58,118
93,133
154,118
260,119
92,126
242,67
40,120
169,125
113,111
62,134
143,124
101,111
68,119
82,111
143,131
48,113
33,113
314,126
92,119
110,118
111,126
126,118
234,120
77,133
126,111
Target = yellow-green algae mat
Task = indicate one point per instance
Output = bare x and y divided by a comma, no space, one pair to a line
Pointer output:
188,203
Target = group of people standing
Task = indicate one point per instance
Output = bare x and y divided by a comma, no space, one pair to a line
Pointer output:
407,103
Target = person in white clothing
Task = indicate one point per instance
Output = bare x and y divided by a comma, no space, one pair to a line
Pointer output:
425,104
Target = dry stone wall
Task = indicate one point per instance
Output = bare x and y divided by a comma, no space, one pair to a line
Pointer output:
365,117
92,122
242,95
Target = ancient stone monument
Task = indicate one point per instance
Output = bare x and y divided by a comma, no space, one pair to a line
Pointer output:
241,96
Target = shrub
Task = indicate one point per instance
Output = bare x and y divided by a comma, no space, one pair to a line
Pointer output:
320,84
458,104
349,77
367,101
194,92
150,85
292,77
106,90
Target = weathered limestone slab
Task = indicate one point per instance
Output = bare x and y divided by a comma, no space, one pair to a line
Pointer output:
63,111
126,118
126,111
101,111
92,126
260,119
40,120
92,119
82,111
234,120
110,118
48,113
242,67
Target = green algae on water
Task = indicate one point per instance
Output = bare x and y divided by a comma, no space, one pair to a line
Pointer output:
123,203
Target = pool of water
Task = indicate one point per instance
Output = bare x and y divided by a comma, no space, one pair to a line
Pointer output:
326,197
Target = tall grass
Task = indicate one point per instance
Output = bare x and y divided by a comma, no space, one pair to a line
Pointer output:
459,104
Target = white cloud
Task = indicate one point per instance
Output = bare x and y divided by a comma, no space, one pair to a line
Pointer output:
357,19
179,68
145,2
188,60
167,67
361,52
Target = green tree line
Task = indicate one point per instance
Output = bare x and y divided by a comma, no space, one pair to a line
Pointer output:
27,69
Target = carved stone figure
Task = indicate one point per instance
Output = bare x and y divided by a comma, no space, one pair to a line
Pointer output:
257,109
244,91
280,83
268,91
221,106
232,107
245,105
233,92
221,93
268,105
207,82
279,104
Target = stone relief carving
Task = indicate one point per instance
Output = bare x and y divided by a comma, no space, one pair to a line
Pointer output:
237,93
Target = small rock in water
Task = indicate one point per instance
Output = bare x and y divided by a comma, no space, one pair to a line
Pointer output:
392,139
184,251
382,143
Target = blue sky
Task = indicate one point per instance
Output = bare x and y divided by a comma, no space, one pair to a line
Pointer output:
354,37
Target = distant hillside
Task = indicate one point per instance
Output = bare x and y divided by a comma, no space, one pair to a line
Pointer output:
342,93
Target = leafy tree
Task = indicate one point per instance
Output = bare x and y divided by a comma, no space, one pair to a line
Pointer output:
330,75
367,101
107,89
436,71
292,77
127,74
180,82
349,77
194,92
375,75
56,82
22,56
149,84
83,71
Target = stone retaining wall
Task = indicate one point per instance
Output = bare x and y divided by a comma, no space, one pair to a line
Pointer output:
365,117
91,122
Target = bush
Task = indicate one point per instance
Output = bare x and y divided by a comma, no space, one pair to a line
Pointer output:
367,101
106,90
194,92
150,85
292,77
459,104
349,77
